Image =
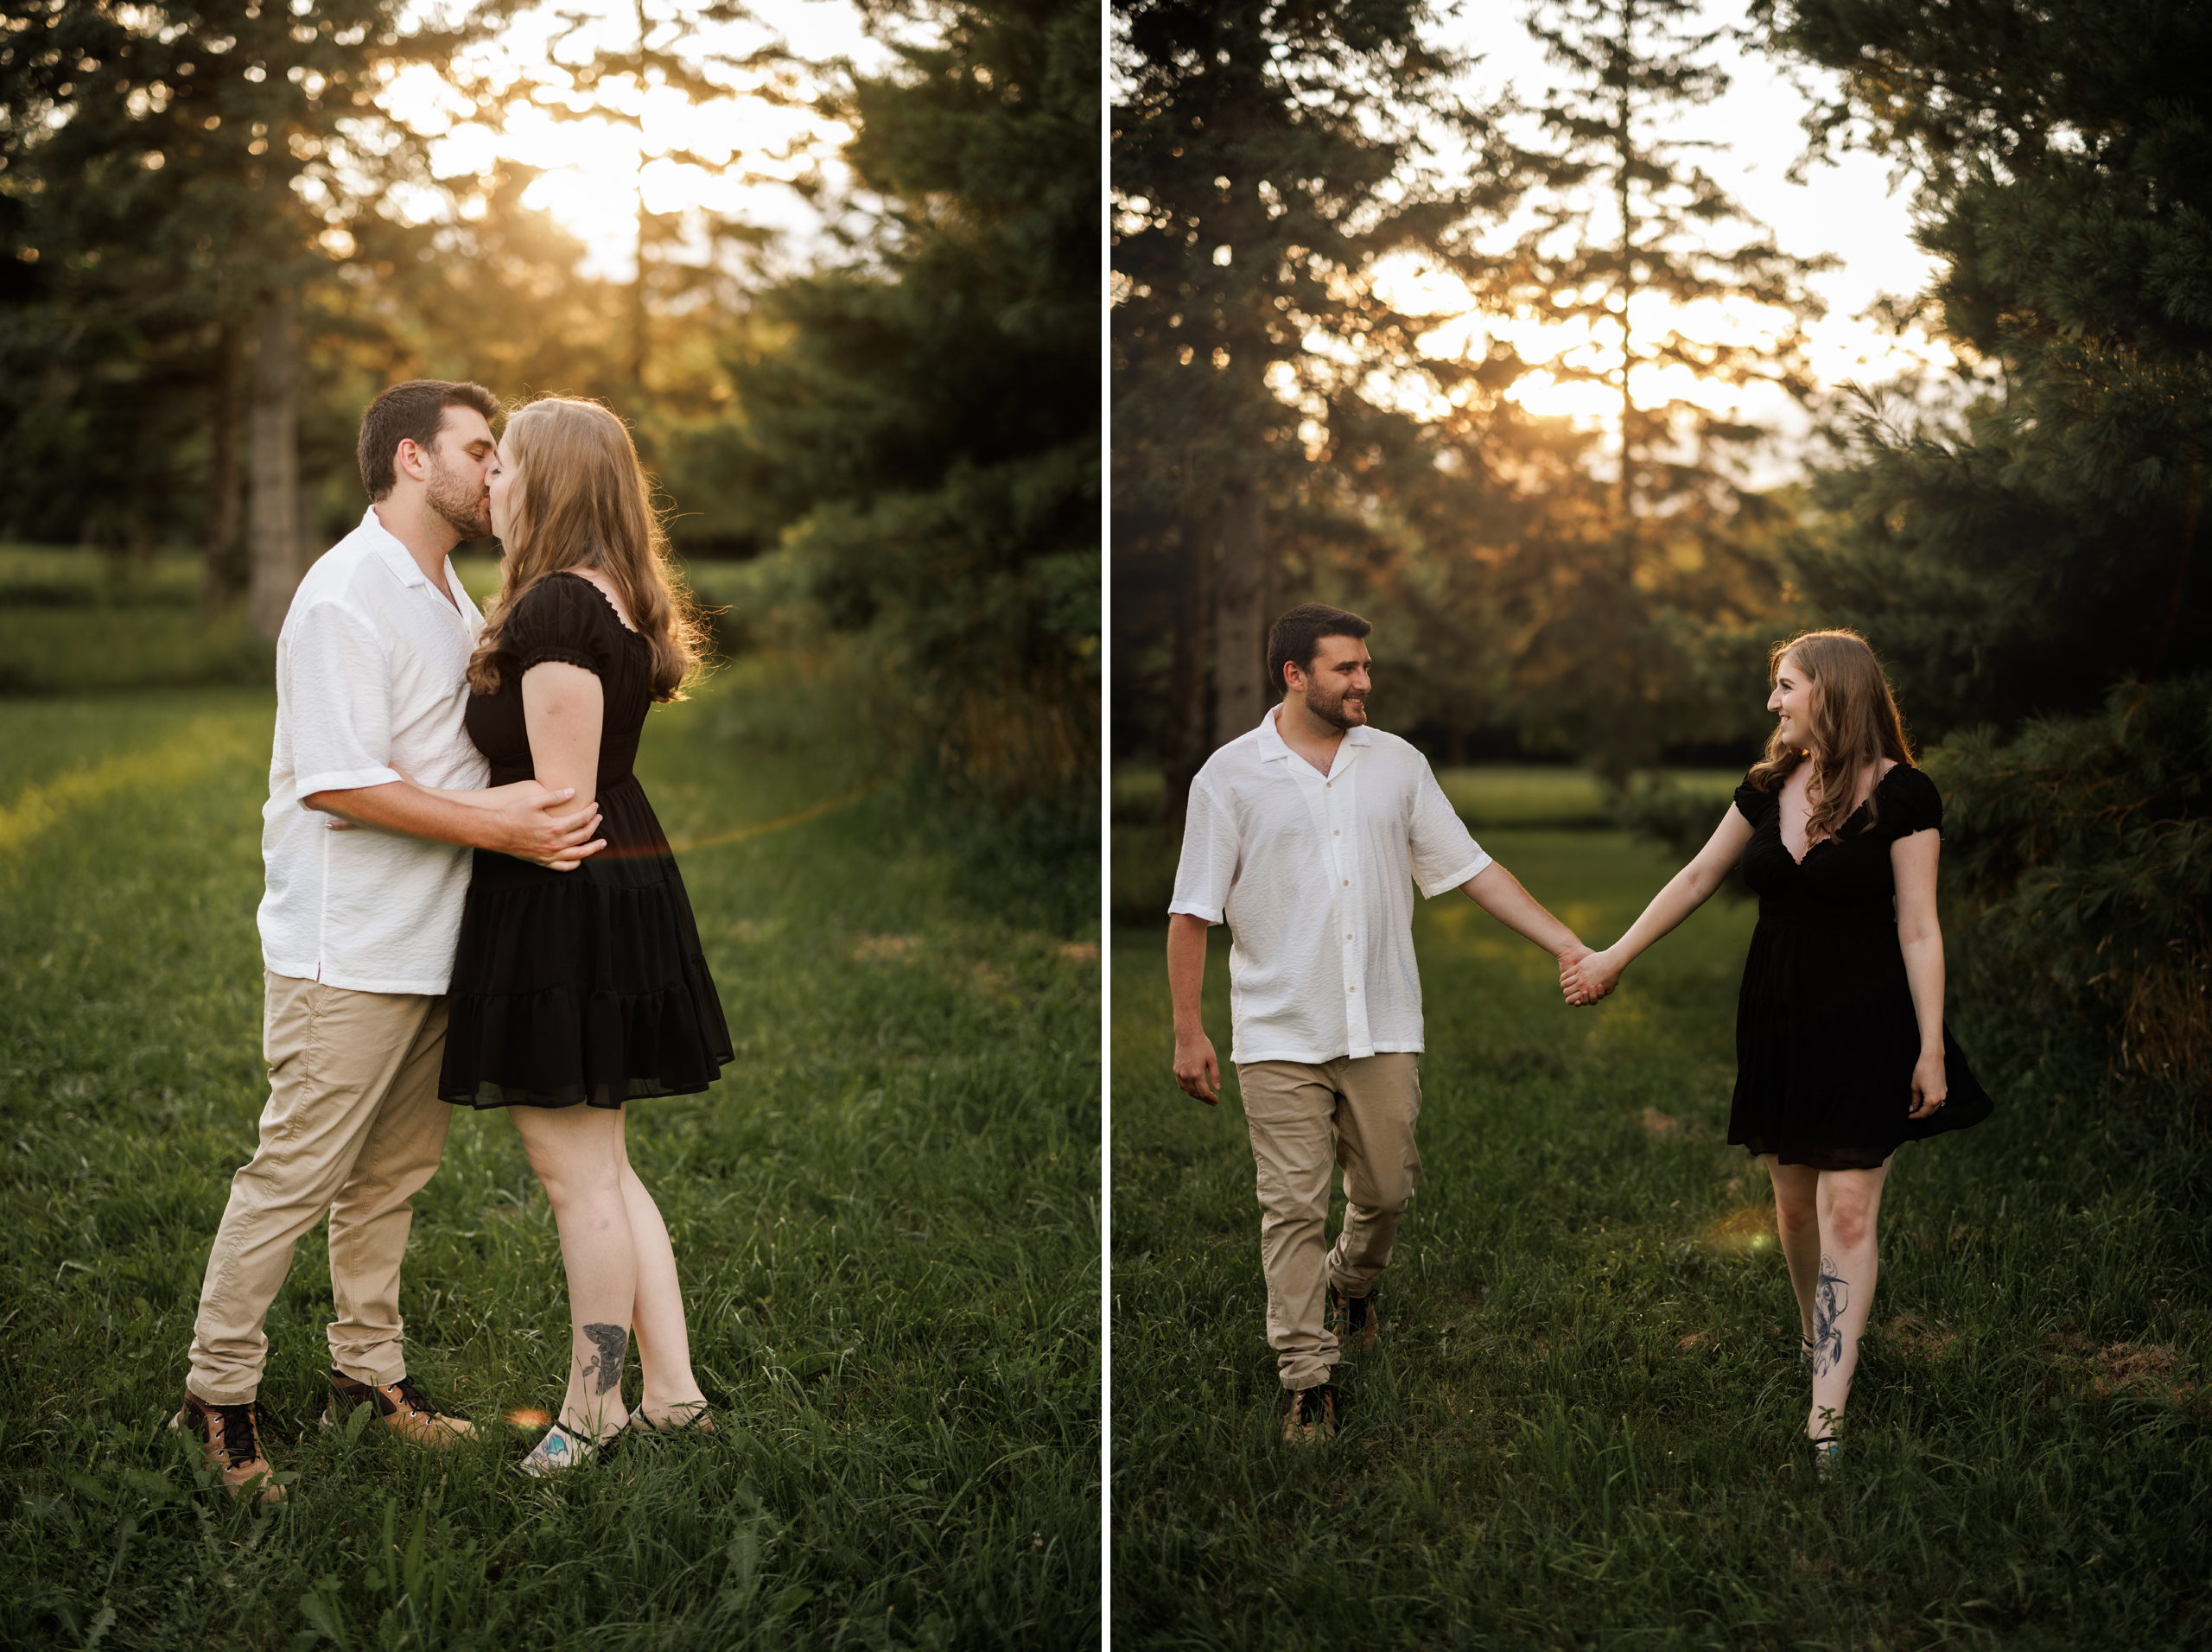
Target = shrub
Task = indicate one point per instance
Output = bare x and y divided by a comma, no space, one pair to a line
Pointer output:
2078,866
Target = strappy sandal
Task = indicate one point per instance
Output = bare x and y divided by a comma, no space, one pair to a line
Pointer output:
1827,1454
699,1420
1805,1350
556,1451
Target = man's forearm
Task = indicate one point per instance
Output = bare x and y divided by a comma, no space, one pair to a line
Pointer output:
1187,970
397,806
1498,892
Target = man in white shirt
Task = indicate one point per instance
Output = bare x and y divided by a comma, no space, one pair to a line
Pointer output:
358,927
1308,837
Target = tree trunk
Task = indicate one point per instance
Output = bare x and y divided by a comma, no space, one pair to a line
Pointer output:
640,343
1240,623
1183,744
273,530
217,584
1623,177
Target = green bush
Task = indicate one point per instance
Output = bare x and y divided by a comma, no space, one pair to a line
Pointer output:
2079,865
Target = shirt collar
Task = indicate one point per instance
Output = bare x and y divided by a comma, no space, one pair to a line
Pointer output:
1273,746
396,556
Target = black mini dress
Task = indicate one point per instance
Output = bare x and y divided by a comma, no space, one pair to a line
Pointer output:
1825,1035
586,985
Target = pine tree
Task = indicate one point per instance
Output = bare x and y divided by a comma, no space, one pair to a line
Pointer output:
176,175
923,424
2023,559
1629,619
1623,213
1264,157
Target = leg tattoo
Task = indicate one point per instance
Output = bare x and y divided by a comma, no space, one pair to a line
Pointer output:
604,1371
1830,1297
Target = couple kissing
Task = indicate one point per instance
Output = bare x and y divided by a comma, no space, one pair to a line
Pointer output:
469,902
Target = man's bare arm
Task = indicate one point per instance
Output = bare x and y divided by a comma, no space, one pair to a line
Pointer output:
1498,892
523,828
1197,1069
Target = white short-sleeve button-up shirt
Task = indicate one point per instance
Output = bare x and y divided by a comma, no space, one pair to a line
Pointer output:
371,679
1314,875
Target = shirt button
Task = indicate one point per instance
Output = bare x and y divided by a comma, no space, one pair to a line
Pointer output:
1338,833
1351,989
1347,883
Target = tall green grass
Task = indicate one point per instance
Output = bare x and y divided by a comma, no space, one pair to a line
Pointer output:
1582,1427
886,1213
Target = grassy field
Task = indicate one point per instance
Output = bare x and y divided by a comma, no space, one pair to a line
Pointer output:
1582,1428
886,1214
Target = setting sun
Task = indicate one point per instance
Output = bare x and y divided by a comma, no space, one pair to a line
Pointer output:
605,150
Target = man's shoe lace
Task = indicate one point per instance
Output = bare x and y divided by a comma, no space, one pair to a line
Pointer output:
241,1438
414,1397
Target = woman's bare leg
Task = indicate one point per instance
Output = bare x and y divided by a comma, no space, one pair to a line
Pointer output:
1850,1201
1797,1220
577,1154
664,1342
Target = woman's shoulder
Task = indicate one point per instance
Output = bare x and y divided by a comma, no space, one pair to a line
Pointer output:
1753,799
559,617
1910,801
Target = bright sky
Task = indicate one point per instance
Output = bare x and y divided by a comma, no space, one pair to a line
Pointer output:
596,168
1847,210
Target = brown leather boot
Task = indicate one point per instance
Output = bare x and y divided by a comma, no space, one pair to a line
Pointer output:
232,1438
1310,1415
406,1410
1359,1321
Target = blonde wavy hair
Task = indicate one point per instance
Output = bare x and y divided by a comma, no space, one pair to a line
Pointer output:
1855,723
580,498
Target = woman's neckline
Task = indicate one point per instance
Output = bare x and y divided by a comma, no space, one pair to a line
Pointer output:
1858,810
603,597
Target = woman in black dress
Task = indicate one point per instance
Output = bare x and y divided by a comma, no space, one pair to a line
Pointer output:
577,989
1842,1053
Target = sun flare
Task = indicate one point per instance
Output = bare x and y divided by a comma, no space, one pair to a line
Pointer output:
1560,354
604,154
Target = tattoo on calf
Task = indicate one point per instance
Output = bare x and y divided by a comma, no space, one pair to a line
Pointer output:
604,1371
1830,1297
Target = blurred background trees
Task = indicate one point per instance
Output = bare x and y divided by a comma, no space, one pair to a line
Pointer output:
216,243
2020,550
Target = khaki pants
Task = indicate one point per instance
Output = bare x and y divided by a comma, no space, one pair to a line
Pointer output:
1304,1117
353,1129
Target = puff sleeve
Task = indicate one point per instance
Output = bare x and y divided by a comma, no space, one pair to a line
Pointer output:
556,621
1754,805
1910,803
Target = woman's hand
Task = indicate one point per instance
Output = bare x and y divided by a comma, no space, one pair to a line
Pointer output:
1590,977
1930,1084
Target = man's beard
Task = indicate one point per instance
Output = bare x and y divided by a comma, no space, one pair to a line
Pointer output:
1331,710
467,511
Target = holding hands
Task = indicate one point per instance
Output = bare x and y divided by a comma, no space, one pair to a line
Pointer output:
1586,977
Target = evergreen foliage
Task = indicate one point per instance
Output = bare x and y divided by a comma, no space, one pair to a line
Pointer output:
926,421
166,171
1620,212
2021,562
1267,159
2080,851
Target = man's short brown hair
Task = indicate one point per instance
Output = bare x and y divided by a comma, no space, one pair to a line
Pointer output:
414,412
1296,637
